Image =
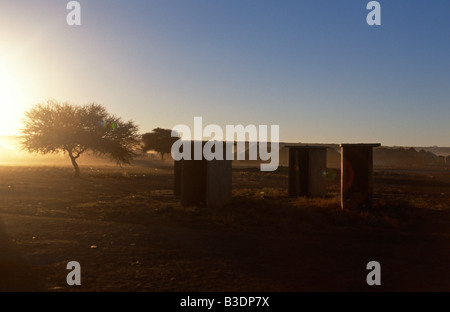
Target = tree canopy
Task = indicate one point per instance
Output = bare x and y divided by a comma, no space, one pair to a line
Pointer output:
55,127
160,140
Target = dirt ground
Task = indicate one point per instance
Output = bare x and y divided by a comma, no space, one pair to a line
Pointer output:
130,234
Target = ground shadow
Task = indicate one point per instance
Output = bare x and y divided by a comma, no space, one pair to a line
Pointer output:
15,274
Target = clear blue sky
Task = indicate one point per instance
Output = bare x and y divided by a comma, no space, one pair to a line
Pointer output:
314,67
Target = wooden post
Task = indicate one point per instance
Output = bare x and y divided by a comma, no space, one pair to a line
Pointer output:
177,169
357,176
203,182
306,167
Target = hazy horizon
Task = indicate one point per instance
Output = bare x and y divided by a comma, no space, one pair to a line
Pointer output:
12,154
8,137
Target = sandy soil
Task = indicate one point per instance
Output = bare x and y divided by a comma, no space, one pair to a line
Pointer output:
129,233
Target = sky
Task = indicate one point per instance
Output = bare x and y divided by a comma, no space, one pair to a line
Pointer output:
313,67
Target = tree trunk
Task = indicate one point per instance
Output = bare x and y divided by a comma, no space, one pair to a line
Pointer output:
75,165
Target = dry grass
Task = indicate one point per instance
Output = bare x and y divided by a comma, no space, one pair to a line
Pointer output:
264,241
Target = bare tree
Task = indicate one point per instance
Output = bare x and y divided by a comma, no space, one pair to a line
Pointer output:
56,127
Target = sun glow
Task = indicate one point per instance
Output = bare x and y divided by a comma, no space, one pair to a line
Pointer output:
13,100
